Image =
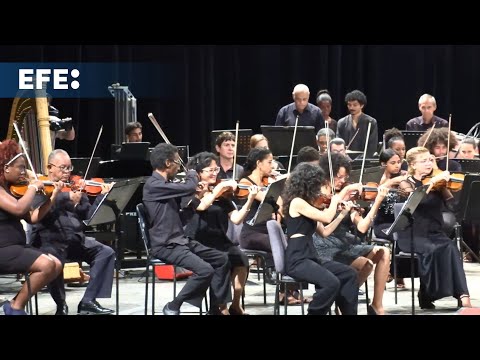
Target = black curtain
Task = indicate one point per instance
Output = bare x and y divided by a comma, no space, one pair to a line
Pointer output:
220,84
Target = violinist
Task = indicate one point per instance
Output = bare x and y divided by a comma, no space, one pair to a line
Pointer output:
168,240
467,149
437,144
225,147
209,224
335,242
259,140
391,178
15,255
333,281
61,232
440,265
308,154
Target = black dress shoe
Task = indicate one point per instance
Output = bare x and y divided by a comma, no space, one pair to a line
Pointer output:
371,310
424,301
92,308
168,311
62,309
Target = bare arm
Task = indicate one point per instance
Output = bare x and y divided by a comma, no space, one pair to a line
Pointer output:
19,207
363,223
237,216
299,206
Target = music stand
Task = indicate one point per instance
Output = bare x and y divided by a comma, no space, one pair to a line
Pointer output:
133,151
469,210
280,138
469,165
265,210
243,146
108,212
405,220
80,166
410,137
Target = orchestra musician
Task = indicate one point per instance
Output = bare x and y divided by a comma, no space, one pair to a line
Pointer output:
436,141
440,265
61,232
133,132
353,127
394,140
391,178
335,242
211,267
213,208
333,281
226,148
307,114
15,255
427,106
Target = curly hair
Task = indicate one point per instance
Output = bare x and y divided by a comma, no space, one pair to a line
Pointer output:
8,150
201,161
392,135
338,161
304,182
438,136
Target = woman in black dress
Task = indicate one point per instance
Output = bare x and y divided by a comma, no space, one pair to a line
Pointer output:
209,222
333,281
15,255
441,270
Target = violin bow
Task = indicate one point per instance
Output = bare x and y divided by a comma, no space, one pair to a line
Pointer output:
293,144
448,139
164,137
235,153
91,157
365,150
428,136
22,144
329,155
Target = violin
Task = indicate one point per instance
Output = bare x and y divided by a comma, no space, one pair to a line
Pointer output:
455,183
19,189
91,187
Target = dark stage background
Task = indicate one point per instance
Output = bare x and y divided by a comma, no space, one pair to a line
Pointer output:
220,84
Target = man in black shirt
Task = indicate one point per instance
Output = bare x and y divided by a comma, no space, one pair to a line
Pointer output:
61,233
211,267
308,114
427,106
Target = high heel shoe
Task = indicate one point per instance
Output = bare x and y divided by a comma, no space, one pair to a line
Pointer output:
424,301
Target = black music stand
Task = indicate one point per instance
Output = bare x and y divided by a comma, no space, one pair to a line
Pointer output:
469,210
266,208
243,146
469,165
410,137
108,212
405,220
280,138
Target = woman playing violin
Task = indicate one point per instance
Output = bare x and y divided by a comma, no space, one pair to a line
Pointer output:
209,222
441,271
335,242
392,162
333,281
15,255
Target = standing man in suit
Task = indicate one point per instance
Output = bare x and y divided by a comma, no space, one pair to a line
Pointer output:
308,114
353,127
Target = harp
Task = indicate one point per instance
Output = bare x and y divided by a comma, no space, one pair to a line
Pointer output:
32,118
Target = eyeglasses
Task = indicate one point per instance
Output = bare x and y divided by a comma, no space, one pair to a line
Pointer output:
63,168
212,170
345,177
424,161
176,161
